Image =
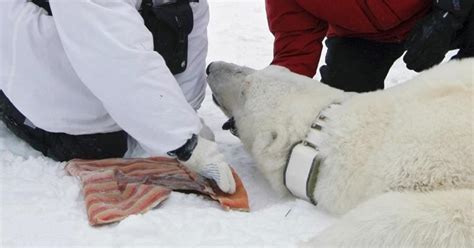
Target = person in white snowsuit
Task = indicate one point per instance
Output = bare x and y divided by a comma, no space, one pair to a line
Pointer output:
79,77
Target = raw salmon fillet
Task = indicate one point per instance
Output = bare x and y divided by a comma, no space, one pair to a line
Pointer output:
116,188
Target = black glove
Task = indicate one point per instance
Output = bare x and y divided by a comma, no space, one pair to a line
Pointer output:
459,8
430,40
433,37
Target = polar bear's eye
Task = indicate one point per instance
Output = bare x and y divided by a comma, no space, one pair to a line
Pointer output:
274,135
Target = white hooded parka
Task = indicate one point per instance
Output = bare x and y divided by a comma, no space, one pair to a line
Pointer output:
91,68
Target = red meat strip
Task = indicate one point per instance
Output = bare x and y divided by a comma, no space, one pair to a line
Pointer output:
116,188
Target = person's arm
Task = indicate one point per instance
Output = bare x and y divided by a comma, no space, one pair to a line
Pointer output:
10,13
298,36
111,51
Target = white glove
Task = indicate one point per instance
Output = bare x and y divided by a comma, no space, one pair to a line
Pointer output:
207,161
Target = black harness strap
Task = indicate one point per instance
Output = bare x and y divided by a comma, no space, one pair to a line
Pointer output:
170,22
43,4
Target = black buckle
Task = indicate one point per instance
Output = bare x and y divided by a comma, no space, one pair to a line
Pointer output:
158,3
170,22
43,4
184,152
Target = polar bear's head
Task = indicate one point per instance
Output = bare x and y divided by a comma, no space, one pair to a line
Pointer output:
230,83
226,81
273,109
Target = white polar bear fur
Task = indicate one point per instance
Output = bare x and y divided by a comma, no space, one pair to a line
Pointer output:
400,159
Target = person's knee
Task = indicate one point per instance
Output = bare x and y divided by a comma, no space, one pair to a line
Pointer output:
64,147
358,65
351,81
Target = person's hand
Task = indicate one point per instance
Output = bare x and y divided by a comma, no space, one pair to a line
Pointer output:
430,40
202,156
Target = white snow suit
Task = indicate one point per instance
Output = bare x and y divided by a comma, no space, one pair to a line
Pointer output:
90,68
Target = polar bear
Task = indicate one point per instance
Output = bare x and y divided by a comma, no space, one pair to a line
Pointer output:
397,164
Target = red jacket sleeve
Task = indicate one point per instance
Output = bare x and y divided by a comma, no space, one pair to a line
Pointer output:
298,36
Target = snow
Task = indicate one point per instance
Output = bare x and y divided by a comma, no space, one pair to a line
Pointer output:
41,206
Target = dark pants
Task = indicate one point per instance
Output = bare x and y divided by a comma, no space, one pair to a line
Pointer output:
360,65
61,146
465,39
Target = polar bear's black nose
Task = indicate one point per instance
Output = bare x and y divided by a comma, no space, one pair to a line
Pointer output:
208,69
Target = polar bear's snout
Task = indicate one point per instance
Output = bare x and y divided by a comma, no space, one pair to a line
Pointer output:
208,68
214,99
225,81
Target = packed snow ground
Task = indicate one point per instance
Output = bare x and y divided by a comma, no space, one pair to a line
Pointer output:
41,206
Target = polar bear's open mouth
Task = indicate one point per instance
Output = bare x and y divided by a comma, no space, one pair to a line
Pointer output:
225,81
230,123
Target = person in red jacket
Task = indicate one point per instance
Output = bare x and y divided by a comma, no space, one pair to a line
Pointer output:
364,38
